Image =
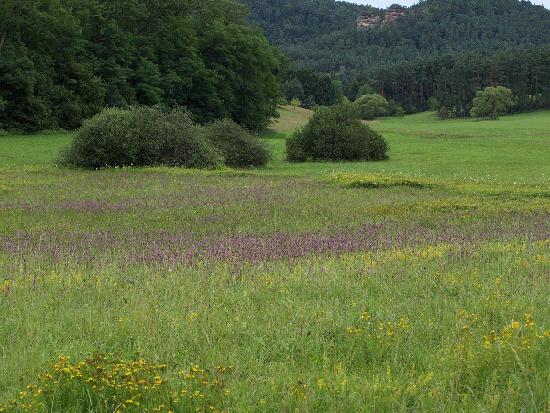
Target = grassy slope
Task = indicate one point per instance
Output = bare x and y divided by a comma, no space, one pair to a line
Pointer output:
31,149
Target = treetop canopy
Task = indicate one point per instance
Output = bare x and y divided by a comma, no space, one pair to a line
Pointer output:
61,61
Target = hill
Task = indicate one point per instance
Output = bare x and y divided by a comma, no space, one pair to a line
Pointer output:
334,36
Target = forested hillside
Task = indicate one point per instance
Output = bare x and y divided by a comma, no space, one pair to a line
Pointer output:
435,54
323,34
61,61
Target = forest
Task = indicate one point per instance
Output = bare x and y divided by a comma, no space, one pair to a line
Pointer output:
449,82
323,34
61,61
436,56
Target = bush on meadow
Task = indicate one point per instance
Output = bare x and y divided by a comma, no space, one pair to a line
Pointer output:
140,136
237,145
336,134
371,105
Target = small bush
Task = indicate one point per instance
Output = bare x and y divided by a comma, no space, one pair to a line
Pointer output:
336,134
371,106
239,148
394,109
443,113
140,136
410,109
281,101
295,102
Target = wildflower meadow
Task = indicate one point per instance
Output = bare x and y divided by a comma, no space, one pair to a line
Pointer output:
172,290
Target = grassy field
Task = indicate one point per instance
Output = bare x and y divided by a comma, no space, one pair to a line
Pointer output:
510,149
31,150
417,284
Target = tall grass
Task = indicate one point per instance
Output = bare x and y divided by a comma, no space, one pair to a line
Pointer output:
334,287
171,290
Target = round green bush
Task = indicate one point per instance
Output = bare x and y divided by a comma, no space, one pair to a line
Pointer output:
238,146
140,136
371,106
336,134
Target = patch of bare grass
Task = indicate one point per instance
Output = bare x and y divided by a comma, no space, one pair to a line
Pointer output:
291,118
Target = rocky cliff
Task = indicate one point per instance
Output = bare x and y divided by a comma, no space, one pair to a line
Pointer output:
370,20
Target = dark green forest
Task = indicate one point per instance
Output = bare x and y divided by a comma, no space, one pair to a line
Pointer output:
61,61
323,34
449,82
435,56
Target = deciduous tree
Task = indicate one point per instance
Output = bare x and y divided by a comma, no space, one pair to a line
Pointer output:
371,106
492,101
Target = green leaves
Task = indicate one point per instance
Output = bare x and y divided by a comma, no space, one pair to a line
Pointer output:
247,66
491,102
140,136
336,134
310,87
82,55
45,80
371,106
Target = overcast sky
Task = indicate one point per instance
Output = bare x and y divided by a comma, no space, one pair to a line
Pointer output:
382,4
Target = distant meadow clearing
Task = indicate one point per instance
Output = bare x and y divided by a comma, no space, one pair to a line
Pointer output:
417,284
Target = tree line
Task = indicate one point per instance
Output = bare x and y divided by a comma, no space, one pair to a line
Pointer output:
61,61
322,34
449,82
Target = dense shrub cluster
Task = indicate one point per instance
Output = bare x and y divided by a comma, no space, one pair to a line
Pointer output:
148,136
336,134
239,148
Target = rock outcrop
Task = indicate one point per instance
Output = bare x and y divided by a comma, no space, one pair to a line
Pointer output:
393,13
367,21
370,20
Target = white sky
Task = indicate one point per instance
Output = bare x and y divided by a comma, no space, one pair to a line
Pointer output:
383,4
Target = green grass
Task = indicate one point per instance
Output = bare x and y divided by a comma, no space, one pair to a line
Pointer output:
418,284
290,119
512,148
31,150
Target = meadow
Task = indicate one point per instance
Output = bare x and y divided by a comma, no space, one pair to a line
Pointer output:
415,284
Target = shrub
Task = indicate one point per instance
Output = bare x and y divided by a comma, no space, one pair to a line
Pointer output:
281,101
295,102
371,106
433,104
140,136
410,109
443,113
336,134
394,109
239,148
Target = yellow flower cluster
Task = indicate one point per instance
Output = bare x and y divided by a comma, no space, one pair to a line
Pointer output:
377,180
5,188
386,333
118,386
